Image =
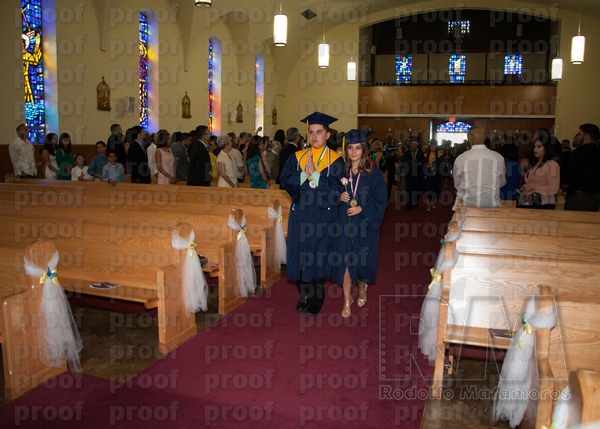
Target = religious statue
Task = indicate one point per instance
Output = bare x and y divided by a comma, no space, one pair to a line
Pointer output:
274,115
186,106
103,93
240,113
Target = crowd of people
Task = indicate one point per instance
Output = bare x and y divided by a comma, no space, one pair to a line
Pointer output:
337,179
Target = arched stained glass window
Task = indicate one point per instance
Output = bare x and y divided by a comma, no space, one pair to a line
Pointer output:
211,78
33,69
403,68
144,67
455,132
457,65
259,75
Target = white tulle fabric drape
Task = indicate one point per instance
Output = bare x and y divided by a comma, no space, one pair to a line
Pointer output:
195,289
430,311
519,370
246,273
58,336
280,244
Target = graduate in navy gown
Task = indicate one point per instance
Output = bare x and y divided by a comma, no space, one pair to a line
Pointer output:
312,178
361,214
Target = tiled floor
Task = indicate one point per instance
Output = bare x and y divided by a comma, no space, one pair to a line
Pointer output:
121,345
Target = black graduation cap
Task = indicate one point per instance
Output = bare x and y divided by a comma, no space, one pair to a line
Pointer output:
357,136
319,118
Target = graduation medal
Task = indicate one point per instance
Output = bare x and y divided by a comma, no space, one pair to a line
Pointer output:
354,189
312,184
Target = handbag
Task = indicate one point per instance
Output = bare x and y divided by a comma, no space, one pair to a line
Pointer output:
533,200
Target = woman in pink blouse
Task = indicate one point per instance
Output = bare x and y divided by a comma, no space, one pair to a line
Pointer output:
543,178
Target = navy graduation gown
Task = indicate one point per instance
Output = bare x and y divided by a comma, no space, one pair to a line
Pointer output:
359,245
313,214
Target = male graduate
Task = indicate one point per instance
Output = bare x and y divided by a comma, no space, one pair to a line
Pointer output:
312,177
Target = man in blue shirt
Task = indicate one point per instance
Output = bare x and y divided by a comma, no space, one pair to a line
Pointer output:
98,162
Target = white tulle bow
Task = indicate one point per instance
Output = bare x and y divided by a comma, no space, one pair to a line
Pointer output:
246,273
519,370
58,336
280,244
195,289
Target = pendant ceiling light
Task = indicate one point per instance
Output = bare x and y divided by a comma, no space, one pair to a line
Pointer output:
578,44
323,47
557,63
280,28
205,3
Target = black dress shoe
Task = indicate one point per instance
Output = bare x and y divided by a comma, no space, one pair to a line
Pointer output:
301,305
313,309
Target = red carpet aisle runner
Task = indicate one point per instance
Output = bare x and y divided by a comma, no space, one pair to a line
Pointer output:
267,366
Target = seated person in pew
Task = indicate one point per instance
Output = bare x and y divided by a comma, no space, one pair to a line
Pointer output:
113,172
542,181
479,173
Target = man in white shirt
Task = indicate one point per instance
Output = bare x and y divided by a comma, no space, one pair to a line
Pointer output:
479,173
21,154
151,151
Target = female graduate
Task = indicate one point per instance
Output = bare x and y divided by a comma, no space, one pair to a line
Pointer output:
361,213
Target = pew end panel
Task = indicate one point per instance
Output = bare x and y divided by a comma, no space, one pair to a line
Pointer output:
23,367
174,324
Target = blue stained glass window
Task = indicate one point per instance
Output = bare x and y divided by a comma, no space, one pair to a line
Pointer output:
457,67
144,82
211,75
453,127
513,64
33,69
403,68
465,26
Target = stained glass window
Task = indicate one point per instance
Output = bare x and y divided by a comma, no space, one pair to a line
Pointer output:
453,127
457,67
259,77
33,68
403,68
211,78
465,26
144,82
513,64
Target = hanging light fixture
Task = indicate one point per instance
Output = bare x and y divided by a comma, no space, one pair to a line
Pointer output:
205,3
323,47
280,28
351,72
557,63
578,44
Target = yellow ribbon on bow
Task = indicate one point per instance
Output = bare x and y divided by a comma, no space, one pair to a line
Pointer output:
50,274
192,247
280,219
435,277
242,232
529,329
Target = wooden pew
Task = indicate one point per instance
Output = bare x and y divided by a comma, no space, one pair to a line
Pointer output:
21,298
166,199
568,352
499,270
